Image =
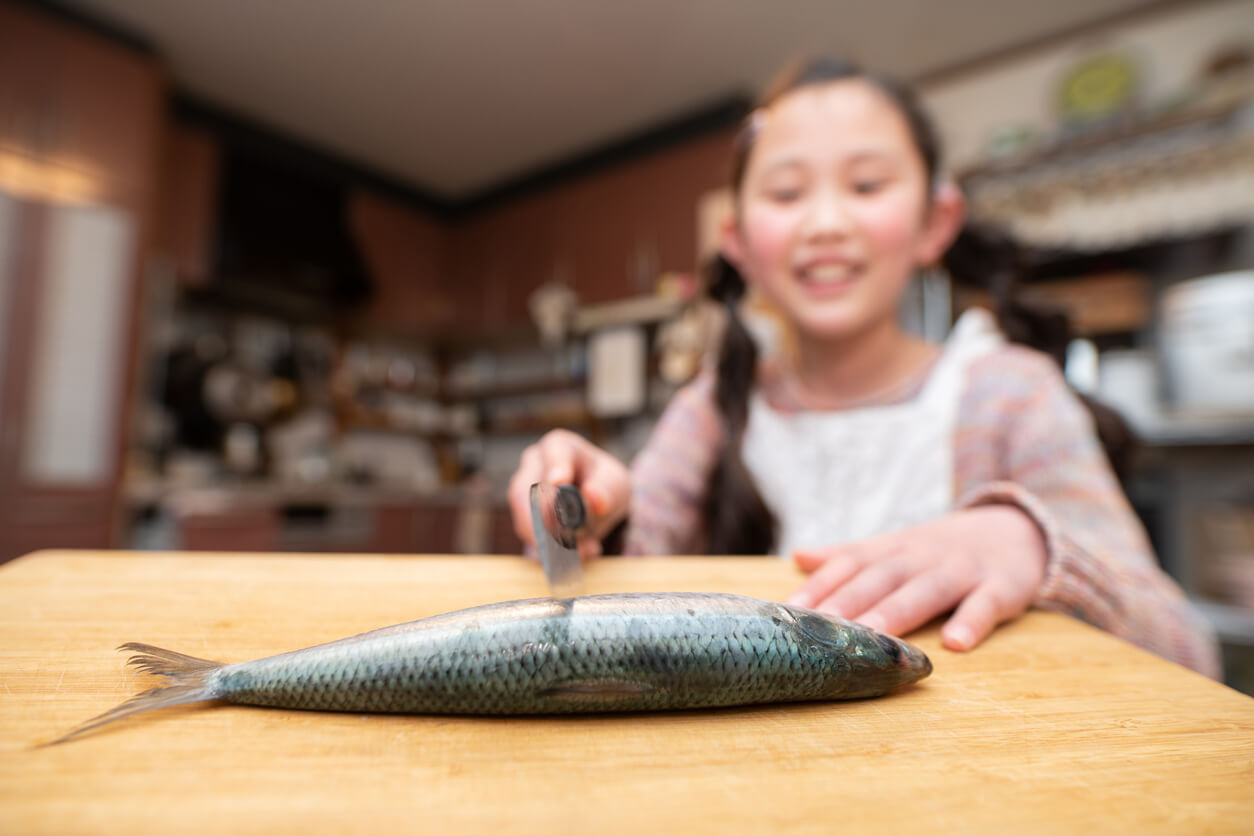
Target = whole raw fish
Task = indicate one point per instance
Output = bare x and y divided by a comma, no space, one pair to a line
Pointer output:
625,652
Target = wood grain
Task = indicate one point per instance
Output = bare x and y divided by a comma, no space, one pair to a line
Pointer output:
1049,727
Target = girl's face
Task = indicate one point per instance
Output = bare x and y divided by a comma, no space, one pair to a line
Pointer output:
835,211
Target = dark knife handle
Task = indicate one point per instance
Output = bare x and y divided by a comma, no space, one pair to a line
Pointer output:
572,514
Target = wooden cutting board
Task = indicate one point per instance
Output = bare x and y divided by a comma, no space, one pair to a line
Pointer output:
1051,726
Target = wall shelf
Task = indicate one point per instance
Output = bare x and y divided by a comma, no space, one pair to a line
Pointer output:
1119,135
510,390
1233,624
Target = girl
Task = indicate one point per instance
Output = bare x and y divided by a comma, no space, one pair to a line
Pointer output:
908,479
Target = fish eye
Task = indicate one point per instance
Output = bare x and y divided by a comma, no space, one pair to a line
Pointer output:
820,629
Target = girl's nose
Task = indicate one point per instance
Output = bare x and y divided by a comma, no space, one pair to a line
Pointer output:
828,217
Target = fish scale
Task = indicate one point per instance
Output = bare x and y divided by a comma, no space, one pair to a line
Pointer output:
623,652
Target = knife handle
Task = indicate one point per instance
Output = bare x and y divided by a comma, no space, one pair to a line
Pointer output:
572,514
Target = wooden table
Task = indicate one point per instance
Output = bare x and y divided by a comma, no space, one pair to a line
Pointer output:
1050,727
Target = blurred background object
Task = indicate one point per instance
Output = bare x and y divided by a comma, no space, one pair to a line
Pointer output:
309,276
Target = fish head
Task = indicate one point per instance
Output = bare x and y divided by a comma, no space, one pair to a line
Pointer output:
859,661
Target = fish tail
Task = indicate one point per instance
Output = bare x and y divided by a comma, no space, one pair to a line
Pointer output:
188,682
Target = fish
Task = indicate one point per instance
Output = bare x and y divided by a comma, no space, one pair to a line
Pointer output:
620,652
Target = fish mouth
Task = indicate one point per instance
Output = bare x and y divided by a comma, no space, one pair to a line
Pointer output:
910,661
915,662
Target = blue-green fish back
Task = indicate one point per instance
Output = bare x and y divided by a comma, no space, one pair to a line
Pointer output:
594,653
622,652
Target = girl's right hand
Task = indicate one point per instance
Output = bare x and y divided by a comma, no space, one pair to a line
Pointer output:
563,457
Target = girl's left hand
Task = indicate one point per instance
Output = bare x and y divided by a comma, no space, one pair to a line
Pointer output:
989,561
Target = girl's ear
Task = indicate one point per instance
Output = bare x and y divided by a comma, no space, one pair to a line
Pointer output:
730,244
944,222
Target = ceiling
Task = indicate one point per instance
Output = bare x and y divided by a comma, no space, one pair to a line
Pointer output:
456,98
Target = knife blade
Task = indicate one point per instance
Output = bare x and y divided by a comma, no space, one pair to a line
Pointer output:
557,514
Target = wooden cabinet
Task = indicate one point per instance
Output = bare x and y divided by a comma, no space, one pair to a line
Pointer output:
234,530
188,198
28,69
83,107
609,235
112,114
680,177
407,255
79,129
499,256
629,225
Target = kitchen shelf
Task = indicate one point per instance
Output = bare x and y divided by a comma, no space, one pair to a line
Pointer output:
1134,129
635,310
1233,624
541,425
368,422
1197,433
509,390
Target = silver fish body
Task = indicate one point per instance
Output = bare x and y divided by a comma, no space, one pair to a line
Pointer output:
623,652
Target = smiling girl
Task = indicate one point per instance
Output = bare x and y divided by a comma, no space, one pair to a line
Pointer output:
909,479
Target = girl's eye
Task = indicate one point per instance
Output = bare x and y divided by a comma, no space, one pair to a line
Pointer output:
868,186
782,194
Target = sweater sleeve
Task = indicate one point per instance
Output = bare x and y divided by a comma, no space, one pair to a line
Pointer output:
669,475
1101,567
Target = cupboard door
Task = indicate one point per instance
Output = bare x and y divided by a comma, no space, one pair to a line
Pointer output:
407,254
110,106
535,261
676,180
78,103
189,195
602,229
629,225
28,80
501,257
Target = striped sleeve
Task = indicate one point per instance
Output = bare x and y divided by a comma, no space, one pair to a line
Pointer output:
1026,440
669,475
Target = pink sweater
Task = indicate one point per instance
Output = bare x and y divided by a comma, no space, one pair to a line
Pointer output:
1022,438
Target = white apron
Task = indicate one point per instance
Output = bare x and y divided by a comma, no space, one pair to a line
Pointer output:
832,477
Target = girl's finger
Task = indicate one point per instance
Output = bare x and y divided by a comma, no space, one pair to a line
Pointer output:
606,490
986,607
809,560
917,602
561,458
830,577
589,548
867,588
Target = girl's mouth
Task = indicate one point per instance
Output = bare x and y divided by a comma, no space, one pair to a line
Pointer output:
826,278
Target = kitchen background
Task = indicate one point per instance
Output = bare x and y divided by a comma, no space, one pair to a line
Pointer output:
310,278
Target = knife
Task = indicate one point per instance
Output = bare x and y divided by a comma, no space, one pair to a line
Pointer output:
557,515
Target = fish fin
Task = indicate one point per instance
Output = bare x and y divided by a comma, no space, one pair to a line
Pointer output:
597,690
162,662
188,676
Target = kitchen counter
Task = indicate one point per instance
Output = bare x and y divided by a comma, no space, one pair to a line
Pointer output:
1051,726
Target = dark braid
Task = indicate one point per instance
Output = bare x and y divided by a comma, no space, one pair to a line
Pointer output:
737,520
985,256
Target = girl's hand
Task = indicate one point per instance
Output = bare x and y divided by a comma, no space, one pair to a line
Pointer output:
563,457
989,561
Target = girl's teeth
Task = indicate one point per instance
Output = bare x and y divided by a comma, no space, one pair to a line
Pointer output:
827,273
